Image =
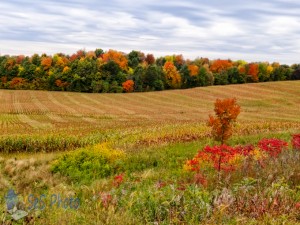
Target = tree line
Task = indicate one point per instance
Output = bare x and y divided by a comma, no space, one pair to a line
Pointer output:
114,71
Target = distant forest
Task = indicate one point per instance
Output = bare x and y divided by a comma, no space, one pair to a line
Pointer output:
114,71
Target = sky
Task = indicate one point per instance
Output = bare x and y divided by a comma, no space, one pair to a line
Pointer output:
237,29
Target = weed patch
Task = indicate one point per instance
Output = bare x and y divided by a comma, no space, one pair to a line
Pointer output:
88,164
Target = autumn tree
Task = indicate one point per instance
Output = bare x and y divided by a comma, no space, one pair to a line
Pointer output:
194,76
242,69
253,71
179,61
10,63
193,69
17,82
220,65
173,78
128,86
91,55
117,57
19,59
46,63
78,55
9,68
226,112
150,59
59,83
58,61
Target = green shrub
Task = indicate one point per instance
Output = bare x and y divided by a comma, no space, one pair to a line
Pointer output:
87,164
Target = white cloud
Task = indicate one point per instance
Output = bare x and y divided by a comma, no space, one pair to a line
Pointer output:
280,25
252,30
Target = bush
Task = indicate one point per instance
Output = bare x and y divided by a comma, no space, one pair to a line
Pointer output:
296,141
272,146
87,164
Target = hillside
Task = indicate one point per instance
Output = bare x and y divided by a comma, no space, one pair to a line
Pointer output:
38,109
140,118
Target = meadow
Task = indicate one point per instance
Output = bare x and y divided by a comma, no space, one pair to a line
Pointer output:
51,144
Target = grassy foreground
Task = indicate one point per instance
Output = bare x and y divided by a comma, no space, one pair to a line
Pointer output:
149,137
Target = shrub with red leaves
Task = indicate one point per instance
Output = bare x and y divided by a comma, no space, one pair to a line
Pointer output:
221,155
194,164
244,150
272,146
296,141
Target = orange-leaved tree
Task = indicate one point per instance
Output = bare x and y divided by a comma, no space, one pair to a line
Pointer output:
117,57
193,69
226,111
219,65
128,86
46,62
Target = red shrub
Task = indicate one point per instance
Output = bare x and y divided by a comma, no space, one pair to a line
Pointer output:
193,164
244,150
221,156
296,141
272,146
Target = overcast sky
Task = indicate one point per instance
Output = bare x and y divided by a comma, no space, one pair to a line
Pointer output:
251,30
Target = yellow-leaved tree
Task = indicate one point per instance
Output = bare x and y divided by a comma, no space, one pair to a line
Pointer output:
173,78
